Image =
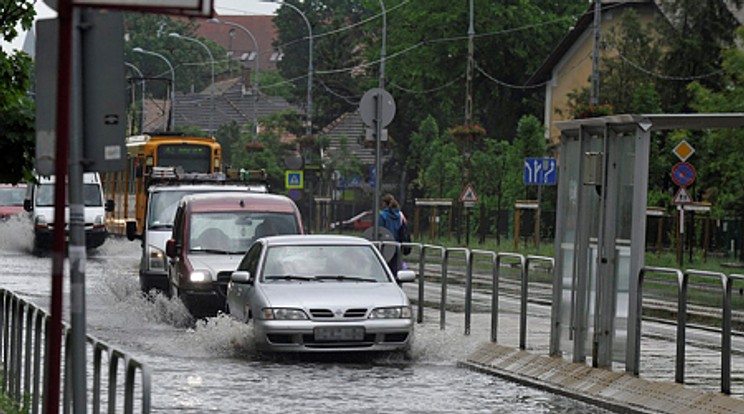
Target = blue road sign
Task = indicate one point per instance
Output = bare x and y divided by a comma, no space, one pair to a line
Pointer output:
540,171
683,174
294,180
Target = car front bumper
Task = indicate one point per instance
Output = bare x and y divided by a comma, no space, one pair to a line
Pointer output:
94,237
299,336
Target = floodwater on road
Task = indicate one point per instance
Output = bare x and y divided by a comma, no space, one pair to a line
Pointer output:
211,366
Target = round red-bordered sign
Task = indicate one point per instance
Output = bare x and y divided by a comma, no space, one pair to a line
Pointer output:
683,174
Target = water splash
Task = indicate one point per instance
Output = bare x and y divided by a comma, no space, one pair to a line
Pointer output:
16,235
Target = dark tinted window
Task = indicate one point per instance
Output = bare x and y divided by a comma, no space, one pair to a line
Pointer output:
192,158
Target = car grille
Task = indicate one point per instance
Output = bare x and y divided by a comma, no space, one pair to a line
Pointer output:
354,313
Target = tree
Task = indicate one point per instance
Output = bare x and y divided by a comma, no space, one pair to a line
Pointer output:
699,32
334,92
721,170
16,108
189,59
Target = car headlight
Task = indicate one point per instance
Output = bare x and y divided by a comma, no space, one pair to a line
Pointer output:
397,312
156,258
200,276
283,314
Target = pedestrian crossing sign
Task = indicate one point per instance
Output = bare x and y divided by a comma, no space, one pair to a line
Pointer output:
294,180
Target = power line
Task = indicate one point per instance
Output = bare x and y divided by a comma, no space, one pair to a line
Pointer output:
347,99
424,91
667,77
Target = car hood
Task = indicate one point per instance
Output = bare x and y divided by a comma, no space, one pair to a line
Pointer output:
215,263
310,295
10,210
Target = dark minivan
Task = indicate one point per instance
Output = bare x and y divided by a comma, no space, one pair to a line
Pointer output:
211,233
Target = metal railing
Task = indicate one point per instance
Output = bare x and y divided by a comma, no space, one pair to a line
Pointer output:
25,328
497,260
726,283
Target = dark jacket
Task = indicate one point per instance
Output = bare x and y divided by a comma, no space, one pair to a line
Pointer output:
390,219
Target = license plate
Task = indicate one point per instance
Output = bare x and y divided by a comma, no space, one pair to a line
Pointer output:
339,334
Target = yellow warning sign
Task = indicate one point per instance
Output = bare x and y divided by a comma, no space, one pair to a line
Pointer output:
683,150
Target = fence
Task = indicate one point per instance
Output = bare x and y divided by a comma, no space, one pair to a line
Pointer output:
25,328
435,261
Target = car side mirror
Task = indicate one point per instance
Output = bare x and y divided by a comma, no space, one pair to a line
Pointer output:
110,205
132,231
27,205
241,277
171,248
406,276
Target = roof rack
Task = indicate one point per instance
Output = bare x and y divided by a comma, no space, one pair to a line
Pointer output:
176,175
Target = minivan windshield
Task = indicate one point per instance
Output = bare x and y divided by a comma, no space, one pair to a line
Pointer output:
235,231
91,195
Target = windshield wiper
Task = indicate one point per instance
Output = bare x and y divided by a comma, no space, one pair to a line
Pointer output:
344,277
290,277
214,251
160,226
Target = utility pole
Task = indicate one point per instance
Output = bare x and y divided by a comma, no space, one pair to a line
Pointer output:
469,76
594,99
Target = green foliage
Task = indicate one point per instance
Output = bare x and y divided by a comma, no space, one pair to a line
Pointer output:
334,93
189,59
16,109
723,165
274,84
228,135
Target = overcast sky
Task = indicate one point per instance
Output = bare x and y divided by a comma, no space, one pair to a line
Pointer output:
223,7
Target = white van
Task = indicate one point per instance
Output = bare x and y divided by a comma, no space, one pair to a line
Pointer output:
39,203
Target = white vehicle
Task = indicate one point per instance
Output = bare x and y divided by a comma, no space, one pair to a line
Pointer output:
162,202
39,202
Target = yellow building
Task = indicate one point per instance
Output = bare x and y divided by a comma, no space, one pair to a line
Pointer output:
569,66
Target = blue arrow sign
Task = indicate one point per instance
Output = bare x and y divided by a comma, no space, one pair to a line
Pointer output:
540,171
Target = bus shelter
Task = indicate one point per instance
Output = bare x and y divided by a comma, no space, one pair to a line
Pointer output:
601,230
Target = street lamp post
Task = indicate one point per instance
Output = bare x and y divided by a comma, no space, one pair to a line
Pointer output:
309,129
211,89
173,85
255,78
142,79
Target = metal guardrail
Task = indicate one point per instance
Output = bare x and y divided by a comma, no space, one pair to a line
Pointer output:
25,328
635,315
682,297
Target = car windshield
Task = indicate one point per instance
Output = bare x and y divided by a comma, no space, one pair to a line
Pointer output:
324,263
163,205
235,231
91,195
12,196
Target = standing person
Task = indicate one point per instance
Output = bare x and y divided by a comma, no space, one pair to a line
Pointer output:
391,219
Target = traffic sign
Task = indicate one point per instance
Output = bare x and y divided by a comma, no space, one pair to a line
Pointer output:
683,174
295,194
683,150
682,197
368,107
293,179
540,171
468,195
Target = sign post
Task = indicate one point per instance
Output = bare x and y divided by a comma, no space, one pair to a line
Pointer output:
683,174
468,198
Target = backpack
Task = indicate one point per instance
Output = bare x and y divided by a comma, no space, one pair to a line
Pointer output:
404,236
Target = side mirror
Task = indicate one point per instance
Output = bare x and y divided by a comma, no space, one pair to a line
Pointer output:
171,248
27,205
406,276
110,205
132,231
241,277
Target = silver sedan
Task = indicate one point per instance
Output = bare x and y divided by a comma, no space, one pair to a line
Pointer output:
321,294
